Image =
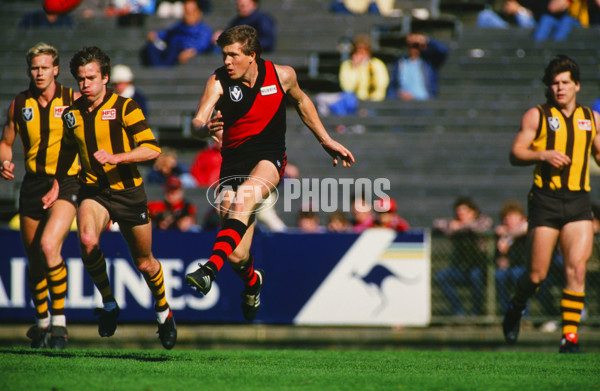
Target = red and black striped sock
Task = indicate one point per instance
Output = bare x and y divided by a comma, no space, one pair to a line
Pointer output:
227,240
246,272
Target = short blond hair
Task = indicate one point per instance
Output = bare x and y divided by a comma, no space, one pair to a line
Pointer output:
40,49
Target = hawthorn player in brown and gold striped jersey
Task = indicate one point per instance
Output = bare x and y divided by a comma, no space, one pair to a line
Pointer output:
35,114
559,137
111,135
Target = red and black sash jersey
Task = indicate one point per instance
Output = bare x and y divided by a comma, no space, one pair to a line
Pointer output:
41,130
254,118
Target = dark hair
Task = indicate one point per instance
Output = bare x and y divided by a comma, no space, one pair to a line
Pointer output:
560,64
246,35
467,201
88,55
511,206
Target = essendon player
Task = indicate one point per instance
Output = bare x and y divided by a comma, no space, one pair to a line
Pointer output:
248,94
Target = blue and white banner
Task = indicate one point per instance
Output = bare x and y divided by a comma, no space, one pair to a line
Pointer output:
375,278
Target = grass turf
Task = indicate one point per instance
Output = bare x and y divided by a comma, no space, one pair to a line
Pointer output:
146,370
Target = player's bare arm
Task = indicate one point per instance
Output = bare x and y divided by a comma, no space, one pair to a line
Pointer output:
138,154
309,116
596,140
8,138
202,123
521,153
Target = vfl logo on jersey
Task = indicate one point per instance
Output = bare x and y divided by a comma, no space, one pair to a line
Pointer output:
70,119
27,114
554,123
109,114
584,124
235,92
58,110
268,90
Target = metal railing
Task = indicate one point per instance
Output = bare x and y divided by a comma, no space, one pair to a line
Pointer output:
473,294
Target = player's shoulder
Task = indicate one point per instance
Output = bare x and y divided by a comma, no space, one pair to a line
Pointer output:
286,74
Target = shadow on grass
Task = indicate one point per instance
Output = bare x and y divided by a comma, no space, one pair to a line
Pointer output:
141,356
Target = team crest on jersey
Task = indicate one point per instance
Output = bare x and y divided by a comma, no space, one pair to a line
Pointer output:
268,90
109,114
58,110
235,92
584,124
70,119
27,114
554,123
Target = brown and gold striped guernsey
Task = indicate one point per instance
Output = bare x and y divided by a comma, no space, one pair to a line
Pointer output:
572,136
117,125
41,130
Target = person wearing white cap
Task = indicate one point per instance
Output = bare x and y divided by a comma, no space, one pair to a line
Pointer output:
122,80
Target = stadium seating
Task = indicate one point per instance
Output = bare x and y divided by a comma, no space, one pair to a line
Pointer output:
431,151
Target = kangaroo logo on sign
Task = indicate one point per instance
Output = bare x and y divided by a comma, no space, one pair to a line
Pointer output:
235,92
554,123
27,114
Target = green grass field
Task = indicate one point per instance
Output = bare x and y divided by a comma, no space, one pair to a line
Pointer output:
159,370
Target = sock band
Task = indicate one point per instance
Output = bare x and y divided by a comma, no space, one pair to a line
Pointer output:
227,240
96,268
57,280
157,287
571,305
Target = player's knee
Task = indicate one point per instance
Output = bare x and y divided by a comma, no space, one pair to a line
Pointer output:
238,257
147,265
88,242
50,248
537,277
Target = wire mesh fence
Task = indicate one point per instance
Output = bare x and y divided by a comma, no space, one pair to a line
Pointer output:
471,284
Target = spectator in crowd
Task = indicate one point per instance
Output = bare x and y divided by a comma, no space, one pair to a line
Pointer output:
556,22
338,222
468,257
179,43
207,164
122,80
167,165
174,211
362,215
416,76
386,215
249,13
43,19
359,7
174,8
511,249
308,221
362,77
130,13
596,105
513,13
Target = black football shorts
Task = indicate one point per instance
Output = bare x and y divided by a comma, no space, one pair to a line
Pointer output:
127,207
35,186
549,208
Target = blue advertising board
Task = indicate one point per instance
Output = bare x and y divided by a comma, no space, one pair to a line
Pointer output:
309,279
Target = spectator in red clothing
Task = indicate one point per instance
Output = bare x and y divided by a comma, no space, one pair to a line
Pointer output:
362,215
174,212
207,165
386,215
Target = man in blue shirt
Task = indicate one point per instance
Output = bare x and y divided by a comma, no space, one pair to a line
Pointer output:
415,76
249,14
181,42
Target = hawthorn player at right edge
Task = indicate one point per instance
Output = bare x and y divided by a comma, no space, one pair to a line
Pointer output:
559,138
